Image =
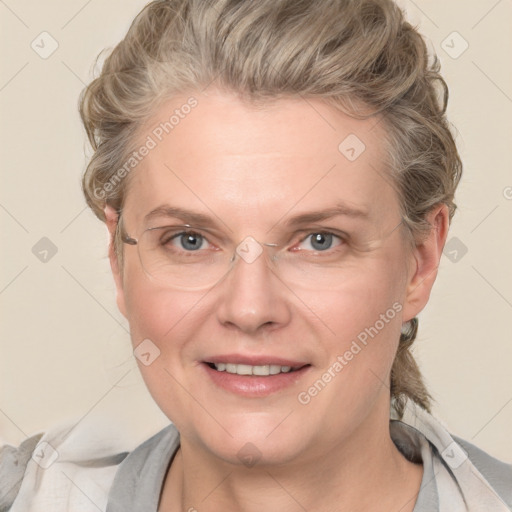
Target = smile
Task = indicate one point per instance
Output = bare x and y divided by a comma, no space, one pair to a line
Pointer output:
246,369
254,380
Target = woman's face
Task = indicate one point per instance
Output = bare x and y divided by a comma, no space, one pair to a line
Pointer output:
331,305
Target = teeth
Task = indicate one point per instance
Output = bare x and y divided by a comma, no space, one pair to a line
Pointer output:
246,369
243,369
231,368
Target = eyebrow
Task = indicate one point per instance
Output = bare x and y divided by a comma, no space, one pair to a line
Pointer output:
203,220
341,209
187,216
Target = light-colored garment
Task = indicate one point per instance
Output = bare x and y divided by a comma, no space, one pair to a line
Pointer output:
62,473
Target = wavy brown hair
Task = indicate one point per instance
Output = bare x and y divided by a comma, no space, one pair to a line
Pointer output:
359,56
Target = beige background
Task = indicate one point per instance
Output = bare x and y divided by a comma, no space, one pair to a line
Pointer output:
65,352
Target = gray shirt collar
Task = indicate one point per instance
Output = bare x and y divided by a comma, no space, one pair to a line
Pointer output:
139,479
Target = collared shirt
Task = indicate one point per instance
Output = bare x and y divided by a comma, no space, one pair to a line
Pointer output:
56,473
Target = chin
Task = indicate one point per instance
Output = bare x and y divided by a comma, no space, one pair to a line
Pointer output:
259,452
253,438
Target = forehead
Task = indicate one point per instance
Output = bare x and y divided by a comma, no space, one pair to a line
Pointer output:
227,158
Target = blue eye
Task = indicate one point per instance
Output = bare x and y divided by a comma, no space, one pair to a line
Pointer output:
189,241
322,241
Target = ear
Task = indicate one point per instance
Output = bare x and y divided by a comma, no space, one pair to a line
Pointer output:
111,219
425,262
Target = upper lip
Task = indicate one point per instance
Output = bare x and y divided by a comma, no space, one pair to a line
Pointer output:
259,360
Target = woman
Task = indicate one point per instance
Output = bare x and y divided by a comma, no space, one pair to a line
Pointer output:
277,179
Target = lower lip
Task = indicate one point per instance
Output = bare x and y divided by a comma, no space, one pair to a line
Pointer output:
254,385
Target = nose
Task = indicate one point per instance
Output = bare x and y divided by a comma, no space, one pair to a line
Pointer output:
252,298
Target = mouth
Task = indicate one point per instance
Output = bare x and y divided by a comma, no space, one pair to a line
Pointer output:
256,370
255,376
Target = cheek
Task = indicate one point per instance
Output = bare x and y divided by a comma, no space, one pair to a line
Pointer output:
364,318
148,307
155,313
358,301
167,319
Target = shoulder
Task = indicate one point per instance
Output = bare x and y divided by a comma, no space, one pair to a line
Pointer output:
63,466
137,484
13,462
498,473
463,472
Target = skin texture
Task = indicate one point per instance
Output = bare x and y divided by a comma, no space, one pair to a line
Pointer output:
251,169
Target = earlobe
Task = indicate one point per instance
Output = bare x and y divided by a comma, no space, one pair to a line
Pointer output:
111,217
425,262
111,220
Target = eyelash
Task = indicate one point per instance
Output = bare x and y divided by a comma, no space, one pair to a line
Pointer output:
334,235
342,239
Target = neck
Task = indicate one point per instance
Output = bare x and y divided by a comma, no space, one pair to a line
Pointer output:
364,472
